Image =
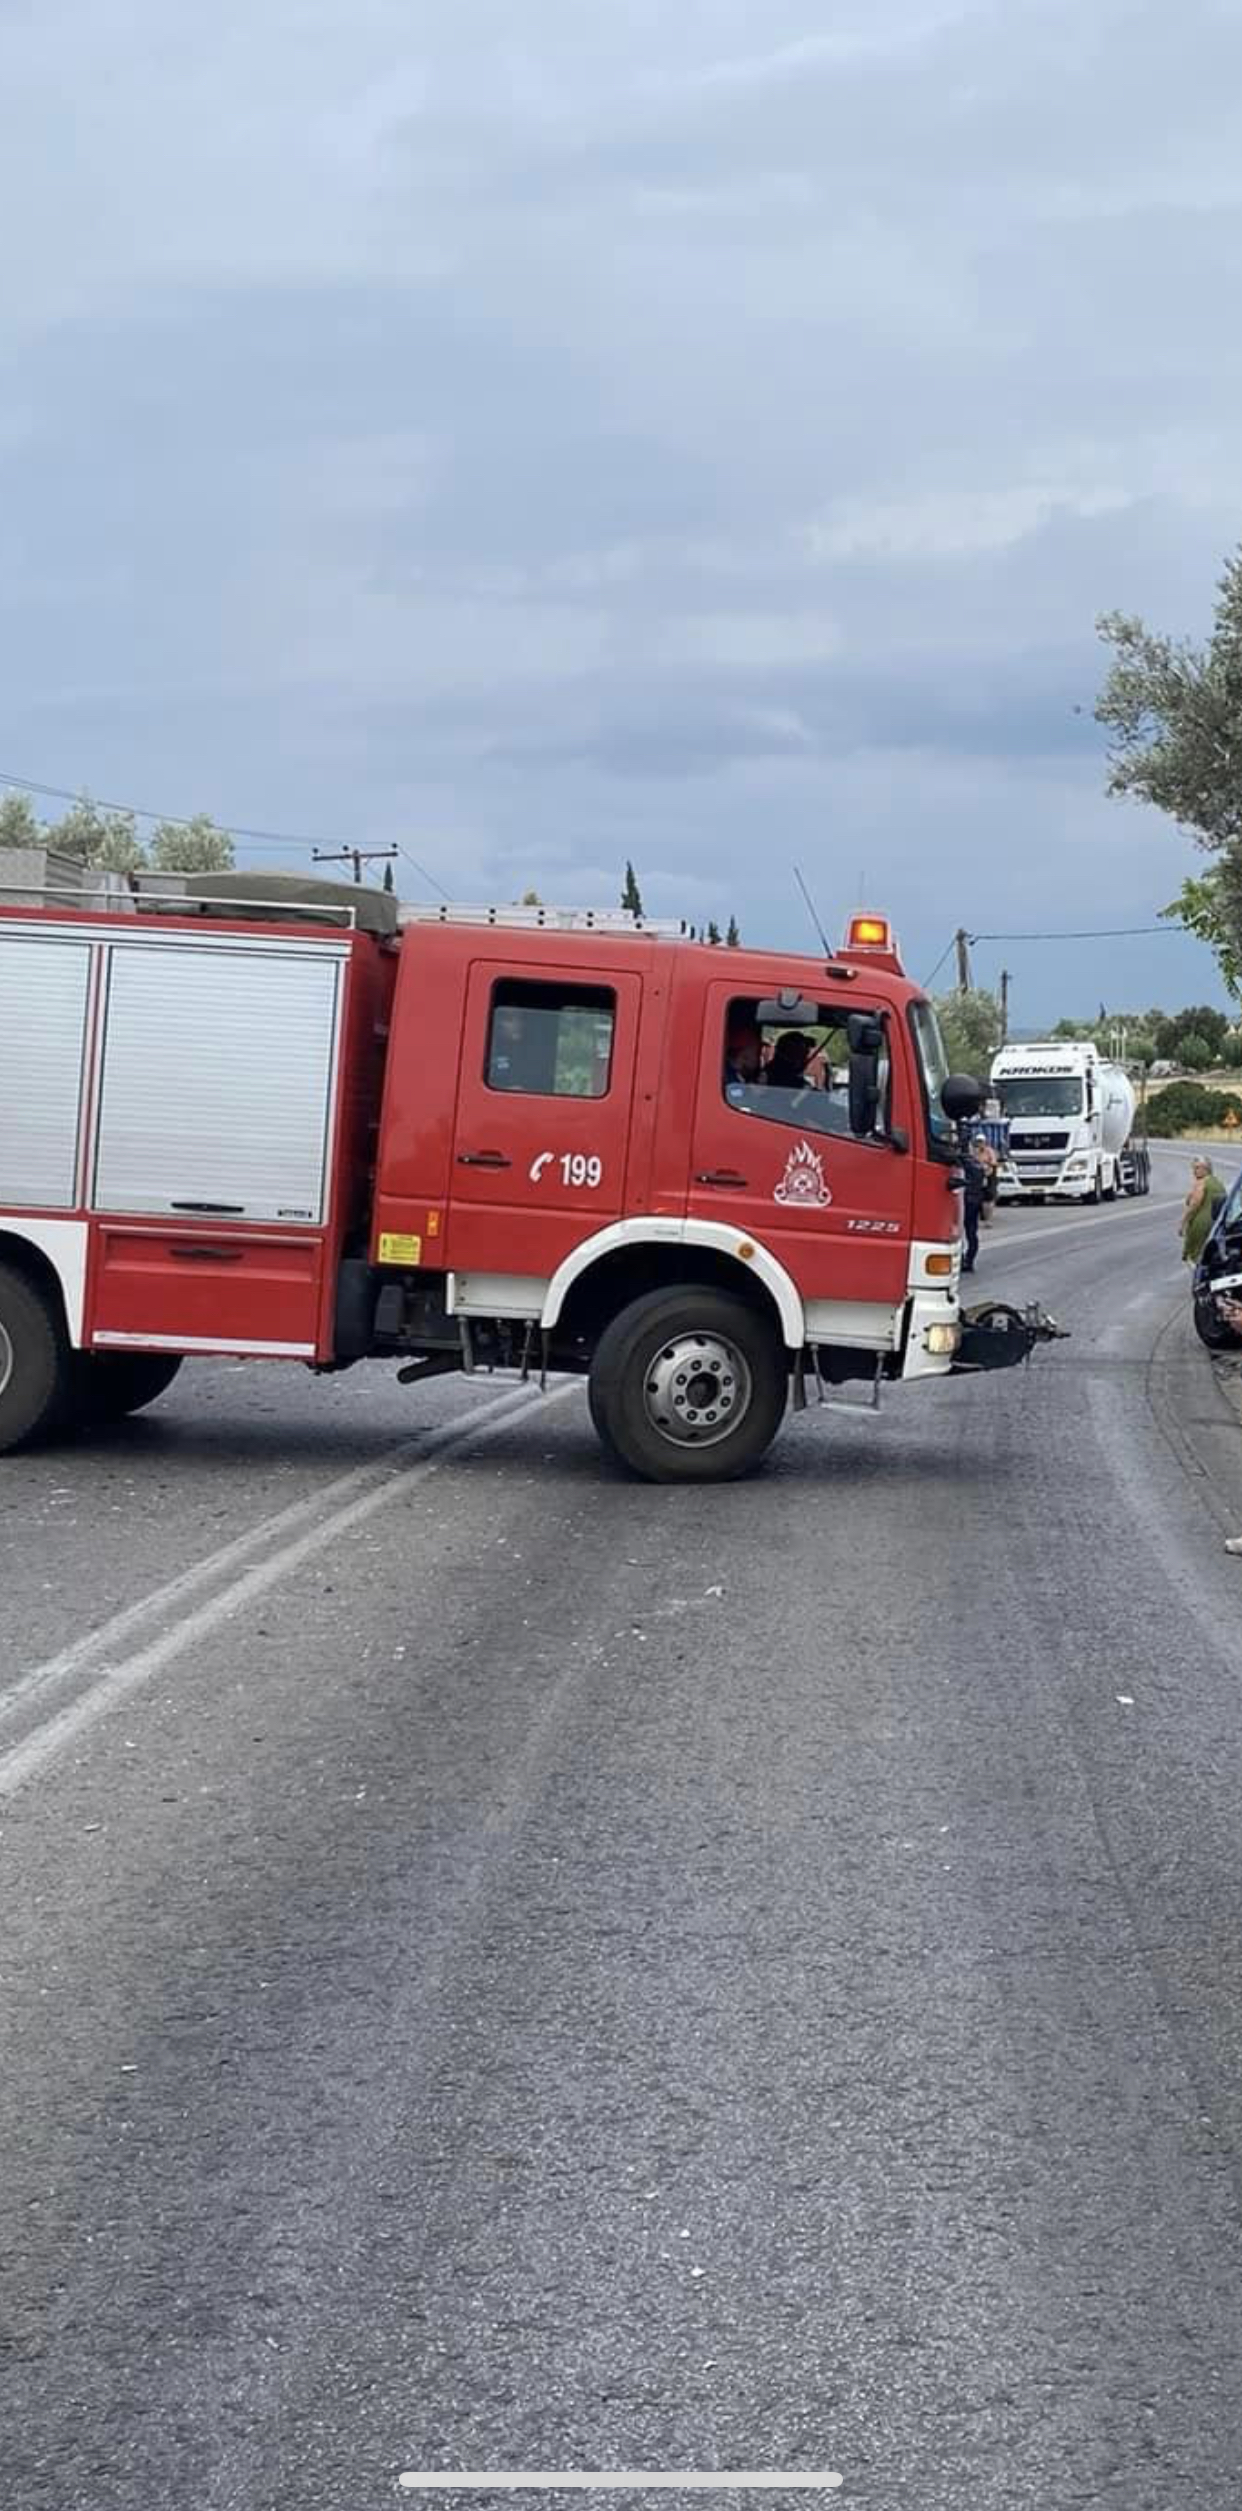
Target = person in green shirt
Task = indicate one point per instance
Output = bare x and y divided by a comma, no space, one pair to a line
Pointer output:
1203,1202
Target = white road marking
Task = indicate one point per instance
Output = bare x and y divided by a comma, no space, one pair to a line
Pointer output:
382,1470
1061,1229
1157,1201
115,1676
1163,1287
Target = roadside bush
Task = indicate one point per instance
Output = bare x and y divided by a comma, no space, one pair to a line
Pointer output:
1187,1107
1200,1021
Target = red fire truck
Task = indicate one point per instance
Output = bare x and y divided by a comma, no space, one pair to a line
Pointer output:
283,1122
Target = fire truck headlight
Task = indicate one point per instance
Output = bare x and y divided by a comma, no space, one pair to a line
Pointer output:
942,1340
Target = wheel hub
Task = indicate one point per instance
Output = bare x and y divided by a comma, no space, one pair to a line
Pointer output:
697,1389
6,1359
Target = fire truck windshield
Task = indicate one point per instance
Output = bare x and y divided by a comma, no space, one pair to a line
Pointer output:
934,1067
1040,1094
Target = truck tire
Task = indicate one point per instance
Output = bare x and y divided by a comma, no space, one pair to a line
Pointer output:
108,1385
688,1386
1097,1190
595,1408
35,1361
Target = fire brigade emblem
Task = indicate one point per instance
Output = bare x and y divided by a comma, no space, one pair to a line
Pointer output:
803,1182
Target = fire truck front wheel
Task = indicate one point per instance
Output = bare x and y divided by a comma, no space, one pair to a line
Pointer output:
688,1386
34,1361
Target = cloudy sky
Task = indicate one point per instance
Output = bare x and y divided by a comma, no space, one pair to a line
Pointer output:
546,431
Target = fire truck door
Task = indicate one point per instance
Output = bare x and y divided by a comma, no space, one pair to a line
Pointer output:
780,1163
543,1117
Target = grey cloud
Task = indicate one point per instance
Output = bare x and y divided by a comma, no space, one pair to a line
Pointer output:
696,433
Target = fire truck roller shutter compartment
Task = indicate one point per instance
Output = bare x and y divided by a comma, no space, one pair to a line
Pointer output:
218,1066
44,988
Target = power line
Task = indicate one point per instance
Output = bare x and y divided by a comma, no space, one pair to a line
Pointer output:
177,819
1104,933
357,855
928,982
138,811
424,874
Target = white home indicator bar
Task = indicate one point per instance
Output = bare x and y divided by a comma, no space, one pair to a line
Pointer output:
620,2480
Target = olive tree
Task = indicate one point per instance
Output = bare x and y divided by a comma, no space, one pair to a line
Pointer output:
970,1025
18,823
195,845
1173,713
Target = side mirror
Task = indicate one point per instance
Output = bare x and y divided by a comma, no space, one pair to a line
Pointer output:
961,1098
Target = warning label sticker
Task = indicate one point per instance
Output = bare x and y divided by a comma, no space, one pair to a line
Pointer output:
400,1246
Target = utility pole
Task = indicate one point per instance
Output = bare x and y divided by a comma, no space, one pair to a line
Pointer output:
1004,1006
962,944
358,855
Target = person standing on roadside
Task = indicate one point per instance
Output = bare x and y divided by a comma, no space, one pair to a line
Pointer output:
985,1153
1203,1201
974,1188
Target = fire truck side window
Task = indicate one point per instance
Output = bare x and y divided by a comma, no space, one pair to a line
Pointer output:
790,1076
551,1041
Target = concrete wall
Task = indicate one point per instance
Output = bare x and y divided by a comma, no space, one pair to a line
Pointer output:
36,876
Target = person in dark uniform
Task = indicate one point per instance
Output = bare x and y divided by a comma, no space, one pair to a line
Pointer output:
974,1188
790,1057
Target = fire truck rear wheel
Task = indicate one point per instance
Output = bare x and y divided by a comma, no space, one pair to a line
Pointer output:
34,1361
688,1386
108,1385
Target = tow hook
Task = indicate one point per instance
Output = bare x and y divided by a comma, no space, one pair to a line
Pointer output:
997,1336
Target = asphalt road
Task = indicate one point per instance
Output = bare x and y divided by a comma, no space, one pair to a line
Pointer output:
507,1968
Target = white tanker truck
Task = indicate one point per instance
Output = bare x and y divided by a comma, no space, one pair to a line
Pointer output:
1071,1123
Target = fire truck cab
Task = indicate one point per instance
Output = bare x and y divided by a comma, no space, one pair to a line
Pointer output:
280,1123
